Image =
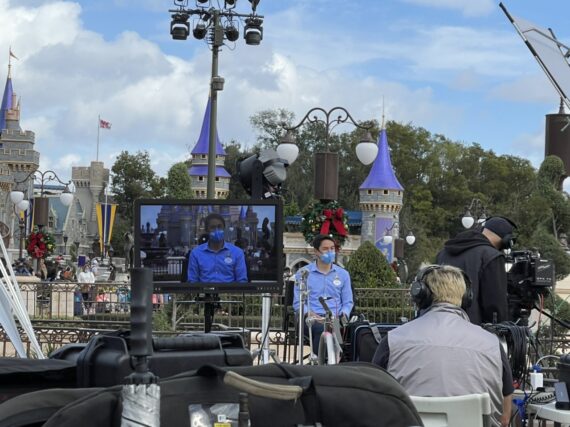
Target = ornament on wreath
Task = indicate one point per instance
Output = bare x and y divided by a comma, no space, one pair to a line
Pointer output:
327,218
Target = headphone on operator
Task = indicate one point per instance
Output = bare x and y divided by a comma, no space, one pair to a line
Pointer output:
507,240
422,295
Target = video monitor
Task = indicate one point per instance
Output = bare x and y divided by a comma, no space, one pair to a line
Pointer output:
242,249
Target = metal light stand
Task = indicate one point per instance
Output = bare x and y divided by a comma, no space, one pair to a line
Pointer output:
303,296
264,350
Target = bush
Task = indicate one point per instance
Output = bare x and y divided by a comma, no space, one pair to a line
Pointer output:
368,268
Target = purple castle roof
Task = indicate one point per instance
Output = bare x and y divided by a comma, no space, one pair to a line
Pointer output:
203,142
381,176
202,170
6,102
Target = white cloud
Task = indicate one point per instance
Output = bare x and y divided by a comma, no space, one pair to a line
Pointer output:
467,7
528,88
68,75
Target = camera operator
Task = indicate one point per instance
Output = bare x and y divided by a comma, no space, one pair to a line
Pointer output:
478,252
441,353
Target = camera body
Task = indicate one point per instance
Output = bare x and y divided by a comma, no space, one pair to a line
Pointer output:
528,277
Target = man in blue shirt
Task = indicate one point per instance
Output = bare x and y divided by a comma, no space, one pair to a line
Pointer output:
327,280
216,261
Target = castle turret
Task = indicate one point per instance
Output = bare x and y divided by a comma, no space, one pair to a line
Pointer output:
17,155
381,196
198,170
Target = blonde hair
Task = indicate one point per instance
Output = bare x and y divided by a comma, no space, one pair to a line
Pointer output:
446,284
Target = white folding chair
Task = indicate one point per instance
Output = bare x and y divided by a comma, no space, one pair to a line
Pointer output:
470,410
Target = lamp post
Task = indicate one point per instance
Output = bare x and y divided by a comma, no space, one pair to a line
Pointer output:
41,204
394,231
219,25
65,238
479,210
326,163
19,209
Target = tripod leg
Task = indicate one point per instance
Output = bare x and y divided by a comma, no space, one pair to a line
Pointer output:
209,309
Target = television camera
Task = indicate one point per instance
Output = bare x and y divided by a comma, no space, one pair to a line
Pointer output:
528,277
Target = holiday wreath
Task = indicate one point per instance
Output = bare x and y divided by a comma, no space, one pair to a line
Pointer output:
325,218
40,244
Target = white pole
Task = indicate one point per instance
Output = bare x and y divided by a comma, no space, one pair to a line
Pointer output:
98,131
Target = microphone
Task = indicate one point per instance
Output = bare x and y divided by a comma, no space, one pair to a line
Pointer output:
304,274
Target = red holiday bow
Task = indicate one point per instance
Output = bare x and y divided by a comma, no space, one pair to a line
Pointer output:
333,216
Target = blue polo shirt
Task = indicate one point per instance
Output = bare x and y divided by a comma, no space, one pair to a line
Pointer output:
223,266
335,284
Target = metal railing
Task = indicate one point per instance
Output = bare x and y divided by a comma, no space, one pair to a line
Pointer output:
68,312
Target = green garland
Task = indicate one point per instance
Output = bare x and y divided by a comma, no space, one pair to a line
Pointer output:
315,217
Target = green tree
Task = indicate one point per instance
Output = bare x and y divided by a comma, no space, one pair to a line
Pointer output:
234,153
178,182
368,268
132,179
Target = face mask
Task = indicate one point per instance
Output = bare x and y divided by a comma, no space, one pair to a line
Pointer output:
327,257
217,235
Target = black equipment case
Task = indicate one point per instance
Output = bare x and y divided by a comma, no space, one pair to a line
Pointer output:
365,340
105,361
19,376
351,394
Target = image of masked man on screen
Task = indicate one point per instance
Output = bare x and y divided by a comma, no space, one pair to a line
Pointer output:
216,261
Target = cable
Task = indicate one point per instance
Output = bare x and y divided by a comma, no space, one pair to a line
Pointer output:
517,338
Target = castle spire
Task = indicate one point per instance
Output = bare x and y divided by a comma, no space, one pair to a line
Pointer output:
381,175
202,144
7,100
198,170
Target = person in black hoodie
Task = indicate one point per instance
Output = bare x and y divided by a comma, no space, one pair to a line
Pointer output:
478,252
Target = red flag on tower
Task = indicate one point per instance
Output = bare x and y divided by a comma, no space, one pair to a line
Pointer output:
104,124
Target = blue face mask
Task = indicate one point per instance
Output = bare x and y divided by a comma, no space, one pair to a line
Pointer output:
217,235
327,257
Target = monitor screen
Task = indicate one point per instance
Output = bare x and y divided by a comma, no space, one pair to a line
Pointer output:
210,245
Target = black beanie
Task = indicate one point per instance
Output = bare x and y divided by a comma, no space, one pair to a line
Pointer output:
500,226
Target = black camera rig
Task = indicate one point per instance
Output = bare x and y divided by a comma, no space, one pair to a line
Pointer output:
528,277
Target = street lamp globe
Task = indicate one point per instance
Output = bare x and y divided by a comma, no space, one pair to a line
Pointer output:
287,149
410,238
66,197
387,239
367,150
23,205
16,196
467,221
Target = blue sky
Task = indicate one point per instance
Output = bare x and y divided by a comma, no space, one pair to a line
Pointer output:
454,67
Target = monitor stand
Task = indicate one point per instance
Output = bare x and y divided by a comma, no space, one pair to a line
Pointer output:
210,302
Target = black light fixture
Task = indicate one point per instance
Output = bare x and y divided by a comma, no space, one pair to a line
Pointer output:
261,175
202,1
179,26
229,4
200,31
232,33
254,4
253,31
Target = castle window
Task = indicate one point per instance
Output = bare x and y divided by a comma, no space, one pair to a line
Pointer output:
385,191
200,178
217,179
202,156
369,192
